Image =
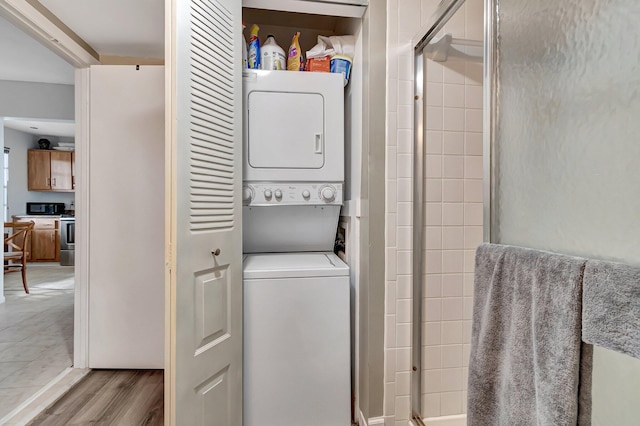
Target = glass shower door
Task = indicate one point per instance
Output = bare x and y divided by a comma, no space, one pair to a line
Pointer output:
565,166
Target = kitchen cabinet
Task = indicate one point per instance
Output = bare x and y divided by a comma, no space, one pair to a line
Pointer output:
39,170
50,170
44,241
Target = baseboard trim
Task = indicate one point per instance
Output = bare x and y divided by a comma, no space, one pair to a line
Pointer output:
457,420
371,422
45,397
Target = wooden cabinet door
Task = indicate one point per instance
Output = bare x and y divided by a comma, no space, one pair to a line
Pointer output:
39,170
45,240
43,244
61,171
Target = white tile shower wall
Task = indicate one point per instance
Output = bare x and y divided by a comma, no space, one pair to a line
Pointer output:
453,210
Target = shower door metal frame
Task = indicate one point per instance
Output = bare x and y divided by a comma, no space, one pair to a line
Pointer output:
445,10
490,113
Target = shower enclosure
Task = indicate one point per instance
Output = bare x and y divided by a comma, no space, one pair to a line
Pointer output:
538,148
448,207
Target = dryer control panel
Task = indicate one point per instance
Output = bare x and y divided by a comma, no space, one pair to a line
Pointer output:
291,194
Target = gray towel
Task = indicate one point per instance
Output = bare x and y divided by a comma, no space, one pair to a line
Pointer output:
525,361
611,306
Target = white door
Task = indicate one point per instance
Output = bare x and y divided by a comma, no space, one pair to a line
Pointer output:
204,258
126,173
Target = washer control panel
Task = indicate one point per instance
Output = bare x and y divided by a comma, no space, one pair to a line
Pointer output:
290,193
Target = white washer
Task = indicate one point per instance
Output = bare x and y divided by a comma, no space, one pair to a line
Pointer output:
296,340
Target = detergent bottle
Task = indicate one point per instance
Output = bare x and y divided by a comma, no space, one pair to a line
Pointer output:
293,61
273,56
254,48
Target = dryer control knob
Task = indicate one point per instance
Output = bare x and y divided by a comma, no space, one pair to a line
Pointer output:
278,194
306,194
247,194
328,194
267,194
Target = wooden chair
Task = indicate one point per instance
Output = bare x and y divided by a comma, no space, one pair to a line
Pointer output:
15,248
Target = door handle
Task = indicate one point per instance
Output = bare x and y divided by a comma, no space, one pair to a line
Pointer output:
318,143
54,182
215,252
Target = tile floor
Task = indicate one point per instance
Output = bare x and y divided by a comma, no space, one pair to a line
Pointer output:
36,331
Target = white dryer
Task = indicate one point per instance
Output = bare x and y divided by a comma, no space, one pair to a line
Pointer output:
296,340
293,160
293,126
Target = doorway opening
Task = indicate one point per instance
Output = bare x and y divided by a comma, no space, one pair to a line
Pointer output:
37,328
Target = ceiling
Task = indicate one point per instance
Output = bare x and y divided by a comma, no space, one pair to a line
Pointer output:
42,127
115,27
25,59
110,27
133,28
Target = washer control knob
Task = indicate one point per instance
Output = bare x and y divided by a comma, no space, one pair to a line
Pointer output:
328,194
306,194
267,194
247,194
278,194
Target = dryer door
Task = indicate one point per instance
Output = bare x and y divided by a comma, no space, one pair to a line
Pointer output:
286,130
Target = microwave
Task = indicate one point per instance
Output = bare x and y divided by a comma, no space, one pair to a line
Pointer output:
45,208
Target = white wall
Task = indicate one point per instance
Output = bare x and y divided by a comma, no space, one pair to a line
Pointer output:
453,195
36,100
353,117
18,193
126,217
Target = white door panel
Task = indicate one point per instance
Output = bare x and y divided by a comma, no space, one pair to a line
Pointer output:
126,157
204,381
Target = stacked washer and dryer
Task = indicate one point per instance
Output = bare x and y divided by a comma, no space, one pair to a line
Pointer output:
296,290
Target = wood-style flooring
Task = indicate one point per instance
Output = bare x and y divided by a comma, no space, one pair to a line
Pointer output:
110,397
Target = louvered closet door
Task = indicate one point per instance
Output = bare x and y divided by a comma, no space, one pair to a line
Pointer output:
205,122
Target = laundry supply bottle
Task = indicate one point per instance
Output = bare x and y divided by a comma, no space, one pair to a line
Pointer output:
273,56
341,64
254,48
245,59
293,60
